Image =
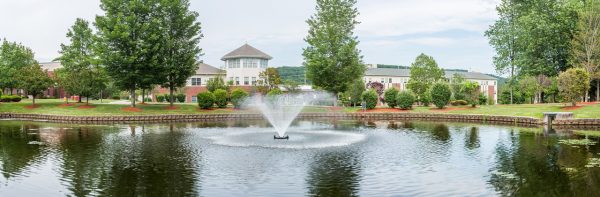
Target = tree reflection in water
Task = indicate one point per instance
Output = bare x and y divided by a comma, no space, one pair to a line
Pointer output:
334,173
15,152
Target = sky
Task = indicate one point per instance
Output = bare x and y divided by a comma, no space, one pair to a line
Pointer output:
391,31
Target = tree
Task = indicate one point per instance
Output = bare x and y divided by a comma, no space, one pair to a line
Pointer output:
390,97
206,100
570,86
269,80
528,86
440,94
292,86
472,91
34,80
131,42
586,43
370,97
355,91
423,73
405,99
220,98
13,57
238,96
332,58
181,35
457,86
81,75
216,83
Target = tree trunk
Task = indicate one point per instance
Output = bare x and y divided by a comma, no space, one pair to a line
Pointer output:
587,94
87,101
143,96
171,89
10,93
101,95
33,101
597,90
79,99
132,96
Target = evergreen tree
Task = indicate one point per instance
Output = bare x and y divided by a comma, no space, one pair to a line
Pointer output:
13,57
332,59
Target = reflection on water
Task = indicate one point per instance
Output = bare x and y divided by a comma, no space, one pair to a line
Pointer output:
396,158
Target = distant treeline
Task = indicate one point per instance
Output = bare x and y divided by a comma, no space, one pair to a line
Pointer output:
292,73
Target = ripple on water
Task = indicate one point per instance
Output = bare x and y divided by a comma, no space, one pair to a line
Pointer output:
298,139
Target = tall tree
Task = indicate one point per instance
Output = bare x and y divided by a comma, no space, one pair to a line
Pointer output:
332,58
33,80
269,80
586,43
570,86
81,74
13,57
130,42
423,73
181,34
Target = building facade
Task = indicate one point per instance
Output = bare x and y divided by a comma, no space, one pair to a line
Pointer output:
398,78
244,65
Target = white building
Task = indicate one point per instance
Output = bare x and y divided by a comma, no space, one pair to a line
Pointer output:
244,65
204,73
398,78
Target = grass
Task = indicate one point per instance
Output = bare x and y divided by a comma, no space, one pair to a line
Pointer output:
53,106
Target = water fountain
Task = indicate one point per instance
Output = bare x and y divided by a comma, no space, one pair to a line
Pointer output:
281,110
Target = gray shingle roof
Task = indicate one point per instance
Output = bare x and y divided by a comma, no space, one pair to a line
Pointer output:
246,51
406,73
205,69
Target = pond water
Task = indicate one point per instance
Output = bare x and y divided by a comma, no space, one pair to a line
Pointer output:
321,158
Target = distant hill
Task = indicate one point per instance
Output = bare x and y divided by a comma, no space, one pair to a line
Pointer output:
501,80
292,73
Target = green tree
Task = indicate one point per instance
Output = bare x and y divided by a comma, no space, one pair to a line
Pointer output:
34,80
238,96
370,97
440,94
405,99
292,86
181,35
472,91
570,84
586,43
206,100
269,80
332,58
216,83
457,86
131,43
423,73
390,97
220,98
354,92
13,57
528,87
81,75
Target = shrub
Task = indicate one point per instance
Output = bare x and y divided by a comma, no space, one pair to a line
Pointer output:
459,102
180,98
220,98
425,99
160,98
275,92
206,100
16,98
238,96
482,99
472,91
572,84
147,99
5,98
440,94
370,97
405,99
390,97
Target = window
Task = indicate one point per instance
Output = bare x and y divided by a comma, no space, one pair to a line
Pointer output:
237,81
230,79
253,80
390,80
234,63
264,63
196,81
194,99
246,80
382,80
250,63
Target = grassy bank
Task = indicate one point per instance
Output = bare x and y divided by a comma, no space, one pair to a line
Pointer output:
57,107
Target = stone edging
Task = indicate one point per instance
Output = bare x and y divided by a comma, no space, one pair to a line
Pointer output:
375,116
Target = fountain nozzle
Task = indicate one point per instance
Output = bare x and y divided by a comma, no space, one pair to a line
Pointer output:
276,137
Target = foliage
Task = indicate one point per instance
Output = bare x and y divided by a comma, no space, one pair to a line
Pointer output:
378,87
472,90
216,83
293,73
440,94
423,73
426,98
483,99
180,98
405,99
131,43
34,80
292,87
458,102
332,58
456,83
390,97
206,100
269,80
370,98
275,92
586,43
10,98
354,92
13,57
160,98
220,98
570,84
238,96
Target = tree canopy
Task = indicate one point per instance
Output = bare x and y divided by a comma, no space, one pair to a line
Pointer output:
13,57
423,73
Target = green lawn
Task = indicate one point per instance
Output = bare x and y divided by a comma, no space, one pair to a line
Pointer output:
53,106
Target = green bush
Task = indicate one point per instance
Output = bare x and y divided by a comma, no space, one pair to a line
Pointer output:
426,98
146,100
5,98
220,98
370,97
238,96
440,94
160,98
180,98
405,99
459,102
206,100
390,97
482,99
275,92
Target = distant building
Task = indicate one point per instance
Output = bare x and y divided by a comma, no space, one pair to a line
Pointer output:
243,65
398,78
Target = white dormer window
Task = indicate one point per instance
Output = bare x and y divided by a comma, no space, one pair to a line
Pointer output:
234,63
250,63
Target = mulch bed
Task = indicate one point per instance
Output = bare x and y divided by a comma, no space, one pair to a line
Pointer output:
570,108
171,108
86,107
66,105
132,109
31,106
383,110
336,108
447,109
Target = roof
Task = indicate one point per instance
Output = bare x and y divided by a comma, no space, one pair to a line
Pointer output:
248,52
205,69
406,73
50,66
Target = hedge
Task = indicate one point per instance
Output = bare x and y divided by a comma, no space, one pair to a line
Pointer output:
390,97
160,98
180,98
238,96
206,100
405,99
370,98
440,94
10,98
220,98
